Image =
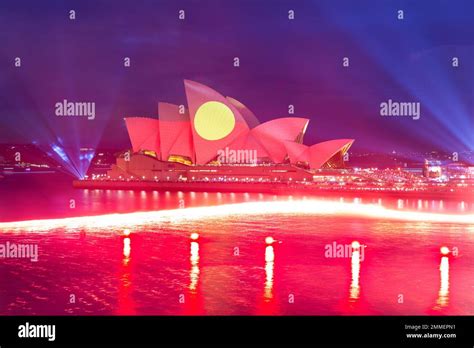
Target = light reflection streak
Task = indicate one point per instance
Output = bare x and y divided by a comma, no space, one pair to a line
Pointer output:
127,248
400,204
269,271
302,207
354,291
194,273
443,294
126,304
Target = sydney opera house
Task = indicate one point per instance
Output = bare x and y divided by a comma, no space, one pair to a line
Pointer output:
218,139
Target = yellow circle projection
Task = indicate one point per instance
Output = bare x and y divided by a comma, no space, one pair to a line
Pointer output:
214,120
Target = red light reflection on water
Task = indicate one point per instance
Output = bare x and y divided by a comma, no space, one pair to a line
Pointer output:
163,257
269,268
194,273
443,294
194,304
268,303
126,304
354,292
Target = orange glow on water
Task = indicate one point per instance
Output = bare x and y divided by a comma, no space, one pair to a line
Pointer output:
298,207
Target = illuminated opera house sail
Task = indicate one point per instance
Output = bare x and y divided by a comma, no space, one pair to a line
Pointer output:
218,138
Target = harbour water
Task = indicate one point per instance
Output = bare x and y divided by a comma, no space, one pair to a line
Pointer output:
210,253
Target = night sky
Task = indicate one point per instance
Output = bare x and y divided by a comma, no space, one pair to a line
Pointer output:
282,62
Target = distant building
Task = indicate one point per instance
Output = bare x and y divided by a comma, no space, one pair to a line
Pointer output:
432,169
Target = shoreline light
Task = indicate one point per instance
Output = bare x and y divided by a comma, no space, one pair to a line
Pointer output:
444,250
269,240
296,207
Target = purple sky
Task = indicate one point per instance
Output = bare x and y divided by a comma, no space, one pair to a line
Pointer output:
282,62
